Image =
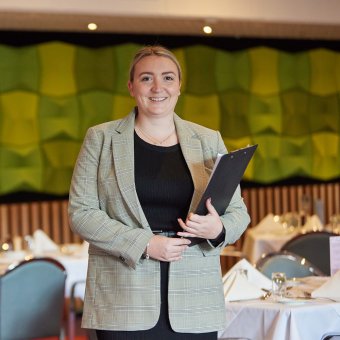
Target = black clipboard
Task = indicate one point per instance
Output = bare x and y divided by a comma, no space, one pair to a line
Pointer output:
225,178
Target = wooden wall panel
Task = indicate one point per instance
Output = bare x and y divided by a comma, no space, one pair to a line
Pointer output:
51,216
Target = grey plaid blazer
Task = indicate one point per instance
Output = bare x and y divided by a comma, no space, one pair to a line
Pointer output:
122,289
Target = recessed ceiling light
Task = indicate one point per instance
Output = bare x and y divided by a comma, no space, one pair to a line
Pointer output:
92,26
207,29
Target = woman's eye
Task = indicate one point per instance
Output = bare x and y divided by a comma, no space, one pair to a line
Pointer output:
146,78
169,78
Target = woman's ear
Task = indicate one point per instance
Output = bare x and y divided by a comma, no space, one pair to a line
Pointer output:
130,87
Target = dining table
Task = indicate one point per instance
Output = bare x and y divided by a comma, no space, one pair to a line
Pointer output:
259,242
71,256
296,316
271,234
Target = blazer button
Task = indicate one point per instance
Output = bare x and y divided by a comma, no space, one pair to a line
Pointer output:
122,258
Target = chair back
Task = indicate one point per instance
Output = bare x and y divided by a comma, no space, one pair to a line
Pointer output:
291,264
32,300
314,246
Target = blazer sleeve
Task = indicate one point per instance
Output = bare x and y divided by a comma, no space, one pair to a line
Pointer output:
105,234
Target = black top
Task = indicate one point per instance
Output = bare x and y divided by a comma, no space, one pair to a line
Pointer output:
163,183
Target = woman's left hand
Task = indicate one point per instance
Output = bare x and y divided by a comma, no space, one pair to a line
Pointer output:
207,227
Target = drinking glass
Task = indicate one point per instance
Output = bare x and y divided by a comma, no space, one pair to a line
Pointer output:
279,285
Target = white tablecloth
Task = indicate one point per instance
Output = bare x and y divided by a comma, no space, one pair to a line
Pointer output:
294,320
75,265
258,242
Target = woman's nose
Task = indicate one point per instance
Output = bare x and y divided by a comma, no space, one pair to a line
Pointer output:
156,86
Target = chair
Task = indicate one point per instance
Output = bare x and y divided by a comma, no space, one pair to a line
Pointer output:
314,246
76,310
331,336
32,300
291,264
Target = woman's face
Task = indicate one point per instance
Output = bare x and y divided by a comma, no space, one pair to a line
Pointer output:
156,86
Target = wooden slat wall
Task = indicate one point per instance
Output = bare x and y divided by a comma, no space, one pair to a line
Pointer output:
281,199
20,219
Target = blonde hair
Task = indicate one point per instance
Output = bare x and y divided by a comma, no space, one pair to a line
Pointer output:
156,50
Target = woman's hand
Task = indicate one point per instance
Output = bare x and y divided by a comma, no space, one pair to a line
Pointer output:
167,249
207,227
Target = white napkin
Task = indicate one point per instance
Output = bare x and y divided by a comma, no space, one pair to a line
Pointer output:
42,243
330,289
82,250
269,223
255,277
313,223
237,287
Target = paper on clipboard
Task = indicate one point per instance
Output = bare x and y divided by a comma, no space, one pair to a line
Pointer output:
226,176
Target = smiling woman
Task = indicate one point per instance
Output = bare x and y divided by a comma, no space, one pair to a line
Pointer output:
155,83
134,186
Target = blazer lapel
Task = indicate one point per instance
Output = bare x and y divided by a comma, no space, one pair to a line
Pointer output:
123,156
194,157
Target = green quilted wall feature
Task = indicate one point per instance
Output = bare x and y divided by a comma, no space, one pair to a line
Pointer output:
295,114
51,93
19,69
123,56
267,165
95,107
19,119
293,158
293,71
265,115
234,114
264,71
324,113
180,55
326,151
21,169
325,72
94,69
203,110
121,106
58,118
200,65
57,67
59,158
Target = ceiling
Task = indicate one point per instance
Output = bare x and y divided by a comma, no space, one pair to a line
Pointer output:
269,25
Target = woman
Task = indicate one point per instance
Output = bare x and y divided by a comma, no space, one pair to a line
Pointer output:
135,181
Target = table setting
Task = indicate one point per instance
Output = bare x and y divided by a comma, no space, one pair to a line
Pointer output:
274,231
260,308
73,256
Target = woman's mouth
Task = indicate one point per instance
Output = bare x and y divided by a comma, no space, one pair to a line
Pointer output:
157,99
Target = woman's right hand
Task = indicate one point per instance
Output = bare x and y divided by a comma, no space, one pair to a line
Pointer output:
167,249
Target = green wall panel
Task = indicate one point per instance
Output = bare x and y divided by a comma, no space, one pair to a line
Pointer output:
51,93
58,118
57,67
123,55
95,69
19,68
19,118
324,72
200,64
293,71
295,114
264,71
21,169
204,110
234,114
